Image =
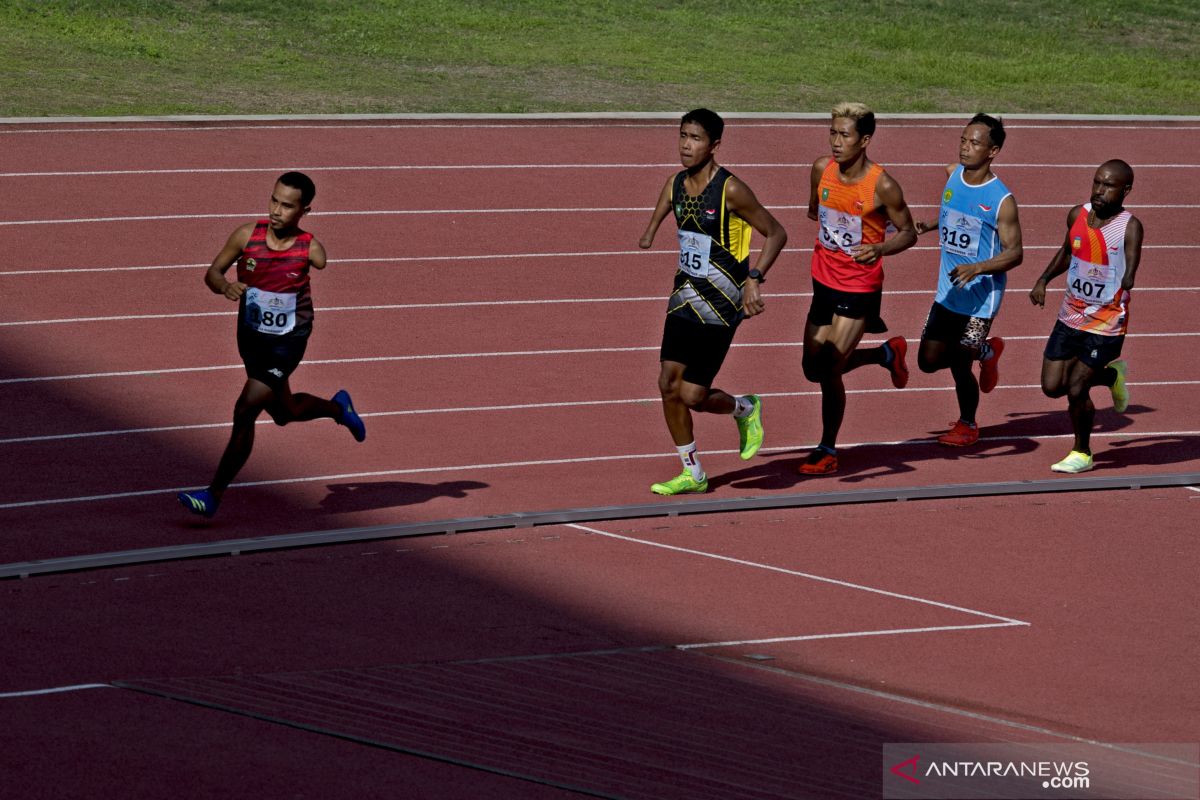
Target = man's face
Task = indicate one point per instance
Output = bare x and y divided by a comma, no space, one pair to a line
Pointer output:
975,147
1109,188
285,208
844,141
694,145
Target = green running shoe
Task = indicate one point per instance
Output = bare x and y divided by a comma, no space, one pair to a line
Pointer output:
683,483
1120,391
750,429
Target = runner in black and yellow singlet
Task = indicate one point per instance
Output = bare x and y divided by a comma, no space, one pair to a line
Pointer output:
275,315
714,290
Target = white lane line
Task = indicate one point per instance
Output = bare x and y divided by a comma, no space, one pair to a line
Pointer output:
796,573
848,635
423,212
484,304
485,257
55,690
520,407
496,354
470,167
474,468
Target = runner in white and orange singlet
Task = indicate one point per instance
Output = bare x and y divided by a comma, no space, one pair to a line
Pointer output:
275,317
1100,255
853,199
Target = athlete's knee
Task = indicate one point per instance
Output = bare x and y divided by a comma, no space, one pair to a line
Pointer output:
1053,389
816,366
693,396
927,364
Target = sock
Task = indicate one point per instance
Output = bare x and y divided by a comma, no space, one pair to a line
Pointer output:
985,352
742,406
825,449
968,424
691,461
888,355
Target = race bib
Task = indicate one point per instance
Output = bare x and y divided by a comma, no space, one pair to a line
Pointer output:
273,313
839,230
960,233
694,249
1094,284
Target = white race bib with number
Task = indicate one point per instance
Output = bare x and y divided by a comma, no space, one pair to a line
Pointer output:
839,230
270,312
694,249
960,233
1095,284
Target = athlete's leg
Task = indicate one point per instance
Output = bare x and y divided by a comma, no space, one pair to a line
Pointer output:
933,356
1054,376
287,407
966,387
841,339
255,397
675,410
1079,404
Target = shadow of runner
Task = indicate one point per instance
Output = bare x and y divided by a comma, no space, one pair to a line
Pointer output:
347,497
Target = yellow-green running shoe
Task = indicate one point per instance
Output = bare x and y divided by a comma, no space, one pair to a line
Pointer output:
750,430
683,483
1074,462
1120,391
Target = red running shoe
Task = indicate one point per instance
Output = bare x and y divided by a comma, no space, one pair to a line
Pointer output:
989,371
819,463
898,368
961,435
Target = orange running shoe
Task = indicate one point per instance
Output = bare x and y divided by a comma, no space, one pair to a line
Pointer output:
819,463
961,435
989,371
898,368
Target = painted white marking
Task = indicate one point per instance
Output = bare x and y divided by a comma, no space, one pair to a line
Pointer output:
480,257
463,468
55,690
806,575
495,354
522,407
848,635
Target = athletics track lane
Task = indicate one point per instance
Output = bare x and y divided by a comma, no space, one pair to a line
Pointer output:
131,521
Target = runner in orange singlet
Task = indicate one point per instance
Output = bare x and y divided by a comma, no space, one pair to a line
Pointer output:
853,199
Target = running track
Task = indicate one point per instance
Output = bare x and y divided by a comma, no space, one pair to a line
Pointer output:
488,307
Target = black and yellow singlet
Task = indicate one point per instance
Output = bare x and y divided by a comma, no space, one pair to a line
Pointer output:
714,254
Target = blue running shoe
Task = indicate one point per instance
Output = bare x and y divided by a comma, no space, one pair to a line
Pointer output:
349,417
202,502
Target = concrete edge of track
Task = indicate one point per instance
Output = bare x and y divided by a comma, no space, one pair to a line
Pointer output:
289,541
573,115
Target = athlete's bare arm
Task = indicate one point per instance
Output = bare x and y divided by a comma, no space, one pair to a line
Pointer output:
1058,264
891,197
316,254
1133,251
814,200
1008,225
214,278
922,226
661,209
741,200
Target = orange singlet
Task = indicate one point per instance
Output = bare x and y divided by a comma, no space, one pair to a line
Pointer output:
848,217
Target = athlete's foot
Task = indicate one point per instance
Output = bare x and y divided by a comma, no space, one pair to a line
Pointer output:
1074,462
203,502
819,462
348,416
963,434
989,371
682,483
1120,389
750,430
897,366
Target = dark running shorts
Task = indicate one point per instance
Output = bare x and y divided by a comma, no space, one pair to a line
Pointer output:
700,348
856,305
944,325
270,359
1091,348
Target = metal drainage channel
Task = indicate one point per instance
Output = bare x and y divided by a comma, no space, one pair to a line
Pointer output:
233,547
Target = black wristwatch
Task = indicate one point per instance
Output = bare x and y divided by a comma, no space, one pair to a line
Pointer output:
758,276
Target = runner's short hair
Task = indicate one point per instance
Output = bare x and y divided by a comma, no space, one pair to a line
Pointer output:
711,121
994,125
864,118
298,180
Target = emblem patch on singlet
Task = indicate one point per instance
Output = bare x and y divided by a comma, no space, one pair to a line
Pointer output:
251,264
1076,243
825,194
947,195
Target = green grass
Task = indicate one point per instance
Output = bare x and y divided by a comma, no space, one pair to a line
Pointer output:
384,56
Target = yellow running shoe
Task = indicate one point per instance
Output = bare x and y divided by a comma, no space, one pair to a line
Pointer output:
1120,390
1074,462
750,429
683,483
